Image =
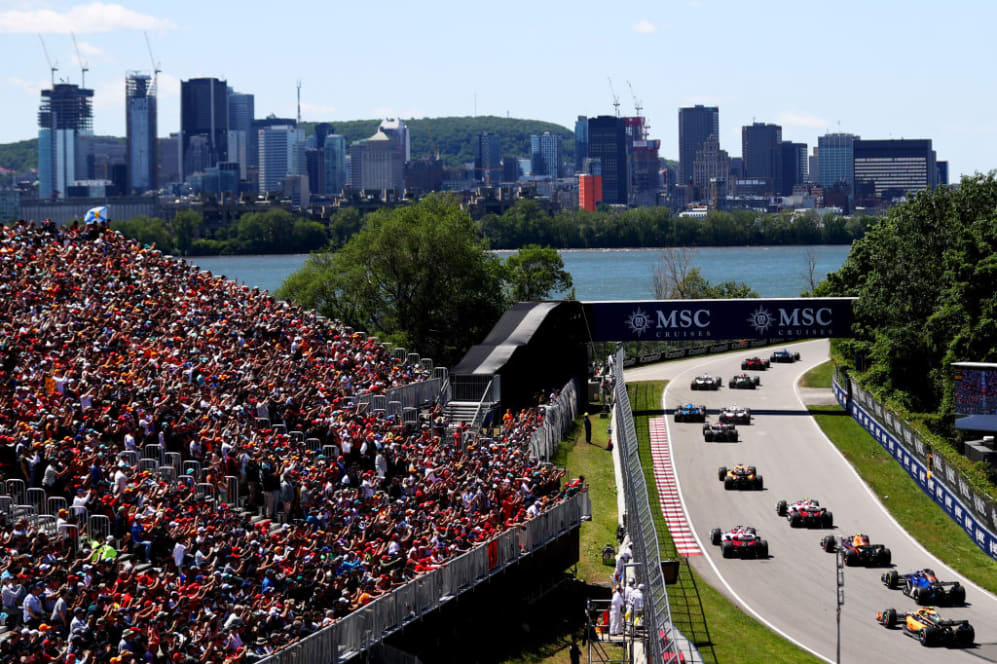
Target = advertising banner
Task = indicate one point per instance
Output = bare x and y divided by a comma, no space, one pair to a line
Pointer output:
716,320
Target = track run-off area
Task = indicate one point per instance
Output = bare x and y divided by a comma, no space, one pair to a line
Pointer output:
794,590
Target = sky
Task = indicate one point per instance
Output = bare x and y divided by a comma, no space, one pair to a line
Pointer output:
878,69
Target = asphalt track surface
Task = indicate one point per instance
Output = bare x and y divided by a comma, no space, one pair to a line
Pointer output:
793,591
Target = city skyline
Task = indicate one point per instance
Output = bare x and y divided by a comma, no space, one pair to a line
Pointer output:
382,68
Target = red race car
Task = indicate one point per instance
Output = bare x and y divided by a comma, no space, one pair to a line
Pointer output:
754,363
740,542
805,513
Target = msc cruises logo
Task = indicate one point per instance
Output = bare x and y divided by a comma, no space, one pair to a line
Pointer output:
761,319
638,322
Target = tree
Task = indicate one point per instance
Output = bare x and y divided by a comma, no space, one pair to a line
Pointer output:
184,228
675,278
535,273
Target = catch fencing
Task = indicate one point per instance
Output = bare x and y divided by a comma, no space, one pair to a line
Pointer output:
974,511
664,639
559,416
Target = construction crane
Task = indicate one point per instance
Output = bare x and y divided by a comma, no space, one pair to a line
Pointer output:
616,99
155,65
638,106
83,65
52,67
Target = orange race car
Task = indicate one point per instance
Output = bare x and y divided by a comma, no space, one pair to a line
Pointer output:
928,627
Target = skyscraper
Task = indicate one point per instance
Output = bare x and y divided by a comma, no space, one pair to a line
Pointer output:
835,160
545,154
140,122
794,166
376,163
711,162
608,143
581,142
203,124
396,130
762,154
889,169
242,147
334,159
281,154
65,121
487,158
695,124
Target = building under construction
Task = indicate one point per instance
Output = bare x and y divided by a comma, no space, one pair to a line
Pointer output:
140,110
65,123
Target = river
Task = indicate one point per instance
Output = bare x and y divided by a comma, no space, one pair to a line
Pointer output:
609,274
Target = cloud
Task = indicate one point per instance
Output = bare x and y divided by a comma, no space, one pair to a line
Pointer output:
86,48
696,4
168,85
644,27
83,19
31,87
794,119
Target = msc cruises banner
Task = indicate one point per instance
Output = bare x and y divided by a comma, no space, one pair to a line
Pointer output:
662,320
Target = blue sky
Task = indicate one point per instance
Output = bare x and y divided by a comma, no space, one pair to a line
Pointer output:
880,70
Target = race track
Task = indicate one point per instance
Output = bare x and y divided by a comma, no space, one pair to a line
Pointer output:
794,590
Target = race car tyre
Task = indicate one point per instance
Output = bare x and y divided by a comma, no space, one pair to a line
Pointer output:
708,437
957,595
744,366
921,596
928,636
851,558
885,557
715,535
763,549
759,483
796,357
965,635
728,483
889,618
727,550
756,380
795,521
693,386
752,470
734,437
721,472
828,520
827,543
780,508
891,579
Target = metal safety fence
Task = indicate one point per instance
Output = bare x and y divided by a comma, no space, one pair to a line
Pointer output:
663,637
370,624
974,510
559,416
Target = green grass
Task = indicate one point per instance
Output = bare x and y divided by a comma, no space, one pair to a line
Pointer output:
819,376
912,508
721,631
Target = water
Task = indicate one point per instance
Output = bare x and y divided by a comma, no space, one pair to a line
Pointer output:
608,274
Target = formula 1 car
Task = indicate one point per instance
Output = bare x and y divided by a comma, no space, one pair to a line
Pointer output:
706,383
744,382
857,550
690,413
784,356
735,415
805,513
754,363
740,477
928,627
740,542
924,587
719,433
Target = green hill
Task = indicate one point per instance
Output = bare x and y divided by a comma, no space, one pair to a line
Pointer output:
19,156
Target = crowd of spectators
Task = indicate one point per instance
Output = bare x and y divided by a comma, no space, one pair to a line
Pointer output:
107,346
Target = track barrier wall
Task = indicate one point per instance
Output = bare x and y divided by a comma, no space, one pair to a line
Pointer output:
707,349
974,511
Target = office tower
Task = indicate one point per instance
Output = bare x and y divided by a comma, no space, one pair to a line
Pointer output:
203,124
169,159
589,191
510,169
695,124
487,158
717,193
762,154
140,123
322,129
711,162
608,143
397,131
814,163
581,141
794,166
242,147
281,154
890,169
424,174
835,160
376,163
545,154
941,173
315,169
644,171
65,123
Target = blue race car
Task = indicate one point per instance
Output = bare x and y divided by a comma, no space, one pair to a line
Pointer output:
784,356
690,413
924,587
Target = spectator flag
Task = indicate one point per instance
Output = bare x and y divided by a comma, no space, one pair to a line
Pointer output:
96,215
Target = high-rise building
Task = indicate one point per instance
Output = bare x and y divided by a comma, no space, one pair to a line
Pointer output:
510,169
890,169
487,158
711,162
334,159
65,122
941,173
281,154
695,124
169,159
545,154
814,163
140,123
203,124
376,163
794,166
395,129
609,144
762,154
646,179
581,141
589,191
835,163
242,147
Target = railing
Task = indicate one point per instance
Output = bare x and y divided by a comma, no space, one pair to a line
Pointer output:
479,412
370,624
470,387
558,418
974,511
640,527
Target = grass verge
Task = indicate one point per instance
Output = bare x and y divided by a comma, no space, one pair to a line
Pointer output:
720,630
912,508
819,376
